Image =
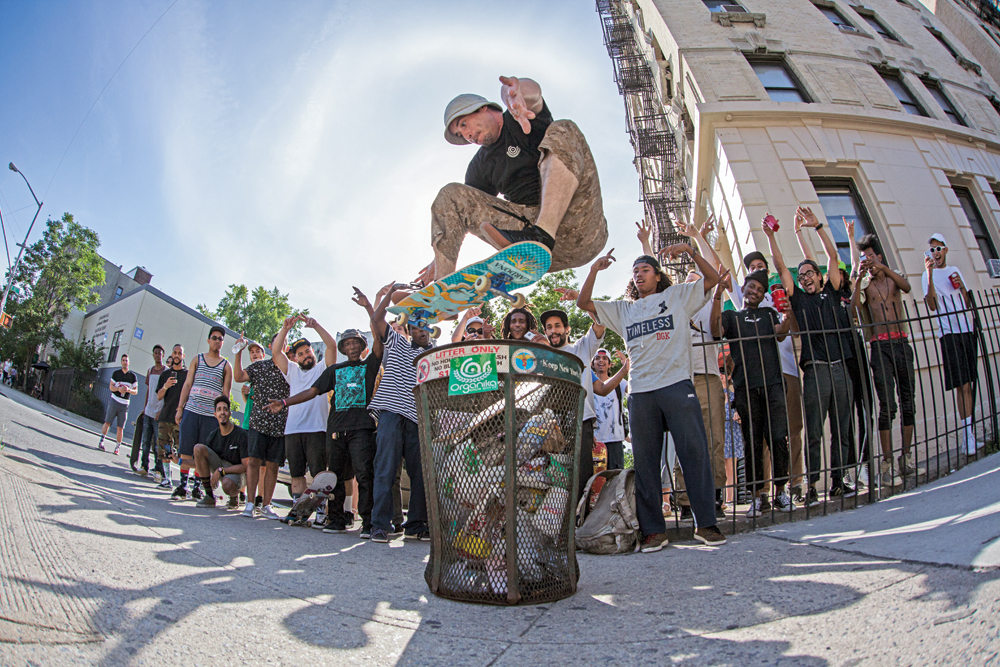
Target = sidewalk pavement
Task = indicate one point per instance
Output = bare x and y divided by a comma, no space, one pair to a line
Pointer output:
99,567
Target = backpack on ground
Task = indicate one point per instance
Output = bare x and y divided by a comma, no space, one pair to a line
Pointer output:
612,527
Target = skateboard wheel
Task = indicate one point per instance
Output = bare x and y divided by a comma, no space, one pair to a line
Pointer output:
404,318
518,301
435,332
482,285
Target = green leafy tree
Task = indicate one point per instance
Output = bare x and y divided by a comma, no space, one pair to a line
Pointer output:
258,314
84,357
58,273
546,296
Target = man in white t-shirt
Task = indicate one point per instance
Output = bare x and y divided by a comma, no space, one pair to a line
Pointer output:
305,427
555,324
945,292
654,322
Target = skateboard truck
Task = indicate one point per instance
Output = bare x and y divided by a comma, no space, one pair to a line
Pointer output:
496,284
419,320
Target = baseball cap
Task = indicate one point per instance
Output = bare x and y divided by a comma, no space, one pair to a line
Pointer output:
810,263
751,256
601,351
647,259
463,105
297,344
346,336
842,265
555,312
255,344
937,237
474,320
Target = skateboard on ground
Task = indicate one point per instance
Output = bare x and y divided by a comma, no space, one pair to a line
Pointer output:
514,267
317,493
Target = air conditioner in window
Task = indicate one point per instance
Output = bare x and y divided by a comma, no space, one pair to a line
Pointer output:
993,268
734,9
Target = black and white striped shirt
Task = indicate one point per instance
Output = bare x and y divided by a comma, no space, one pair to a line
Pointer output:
395,391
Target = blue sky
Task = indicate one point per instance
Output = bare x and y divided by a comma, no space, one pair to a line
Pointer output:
292,144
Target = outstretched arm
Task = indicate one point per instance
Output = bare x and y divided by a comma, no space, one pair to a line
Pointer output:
330,356
523,98
278,404
239,374
644,235
807,252
715,319
832,258
278,344
585,300
456,335
706,269
378,325
779,261
704,247
605,387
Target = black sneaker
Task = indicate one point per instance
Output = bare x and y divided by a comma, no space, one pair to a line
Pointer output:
180,493
366,532
797,496
423,535
719,512
334,524
530,232
234,503
243,497
197,493
379,535
686,514
207,501
397,529
812,499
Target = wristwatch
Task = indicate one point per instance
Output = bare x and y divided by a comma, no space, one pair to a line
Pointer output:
819,226
222,471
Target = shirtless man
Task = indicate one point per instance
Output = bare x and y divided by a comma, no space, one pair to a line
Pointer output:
891,353
543,168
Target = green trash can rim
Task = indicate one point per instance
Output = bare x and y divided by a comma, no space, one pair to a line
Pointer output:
513,356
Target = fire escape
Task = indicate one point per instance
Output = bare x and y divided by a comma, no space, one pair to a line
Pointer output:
652,132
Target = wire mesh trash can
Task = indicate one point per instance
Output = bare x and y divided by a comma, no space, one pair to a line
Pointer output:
500,427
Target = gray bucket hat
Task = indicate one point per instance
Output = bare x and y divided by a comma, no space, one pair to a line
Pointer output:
463,105
346,336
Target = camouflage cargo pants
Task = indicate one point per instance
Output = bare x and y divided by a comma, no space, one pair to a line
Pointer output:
167,439
460,209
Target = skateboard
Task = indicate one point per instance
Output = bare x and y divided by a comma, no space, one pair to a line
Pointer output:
320,489
514,267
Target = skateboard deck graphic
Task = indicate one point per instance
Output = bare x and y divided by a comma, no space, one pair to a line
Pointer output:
320,489
514,267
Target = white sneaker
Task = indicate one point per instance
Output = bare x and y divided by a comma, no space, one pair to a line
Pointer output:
889,475
863,475
268,512
248,509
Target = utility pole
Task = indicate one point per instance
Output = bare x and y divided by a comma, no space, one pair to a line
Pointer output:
17,262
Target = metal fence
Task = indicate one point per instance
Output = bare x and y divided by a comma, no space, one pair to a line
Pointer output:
892,370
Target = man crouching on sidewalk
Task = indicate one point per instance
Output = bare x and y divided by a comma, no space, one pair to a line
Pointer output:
224,457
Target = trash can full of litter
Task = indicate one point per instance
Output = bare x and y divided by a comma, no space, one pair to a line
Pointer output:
500,425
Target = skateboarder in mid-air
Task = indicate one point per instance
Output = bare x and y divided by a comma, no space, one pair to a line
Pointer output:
543,168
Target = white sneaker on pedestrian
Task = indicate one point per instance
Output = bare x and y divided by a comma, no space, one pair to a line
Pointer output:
268,513
248,510
863,476
889,475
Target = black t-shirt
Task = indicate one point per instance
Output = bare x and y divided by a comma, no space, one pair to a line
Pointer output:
232,448
757,361
509,166
817,314
126,378
173,395
352,384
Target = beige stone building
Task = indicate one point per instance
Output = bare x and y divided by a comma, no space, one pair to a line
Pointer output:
877,111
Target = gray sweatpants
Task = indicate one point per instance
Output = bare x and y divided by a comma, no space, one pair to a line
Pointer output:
674,408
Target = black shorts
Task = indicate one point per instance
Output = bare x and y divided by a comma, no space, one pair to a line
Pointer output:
302,449
266,447
958,356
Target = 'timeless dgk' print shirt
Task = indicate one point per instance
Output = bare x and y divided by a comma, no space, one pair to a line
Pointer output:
656,333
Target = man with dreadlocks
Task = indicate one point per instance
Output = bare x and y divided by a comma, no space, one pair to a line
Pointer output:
520,324
663,396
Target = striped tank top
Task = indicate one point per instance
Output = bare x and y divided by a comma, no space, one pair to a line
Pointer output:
207,386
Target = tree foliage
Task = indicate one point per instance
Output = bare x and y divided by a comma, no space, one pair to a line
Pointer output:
58,272
85,357
258,314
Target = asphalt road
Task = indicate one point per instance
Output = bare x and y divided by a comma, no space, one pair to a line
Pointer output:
98,567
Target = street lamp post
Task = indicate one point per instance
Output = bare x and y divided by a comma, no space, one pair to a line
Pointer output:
17,262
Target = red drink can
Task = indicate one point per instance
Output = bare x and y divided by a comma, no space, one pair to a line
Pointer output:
779,298
955,281
771,222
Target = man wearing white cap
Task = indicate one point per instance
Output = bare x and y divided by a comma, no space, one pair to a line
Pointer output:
945,293
471,327
543,169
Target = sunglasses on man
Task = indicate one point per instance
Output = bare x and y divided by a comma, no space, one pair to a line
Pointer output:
478,331
937,248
